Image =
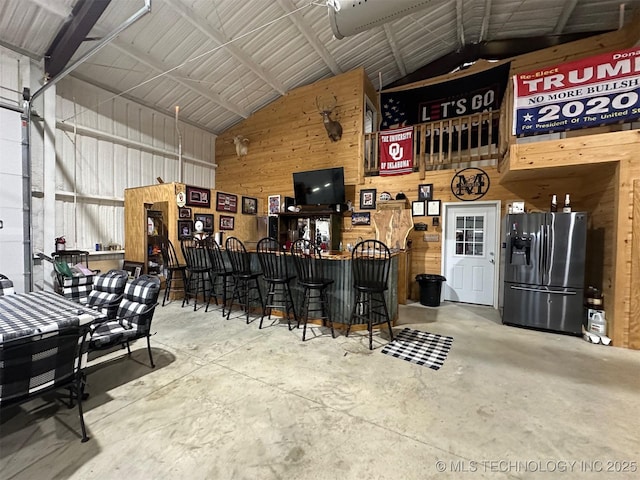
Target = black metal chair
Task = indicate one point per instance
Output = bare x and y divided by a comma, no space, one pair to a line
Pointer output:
198,269
221,273
44,362
370,264
276,274
171,265
244,279
309,268
133,319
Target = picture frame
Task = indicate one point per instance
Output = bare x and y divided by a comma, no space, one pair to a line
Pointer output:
435,221
184,212
207,221
274,205
417,208
249,205
185,229
226,222
134,268
425,191
198,197
226,202
360,218
368,199
433,208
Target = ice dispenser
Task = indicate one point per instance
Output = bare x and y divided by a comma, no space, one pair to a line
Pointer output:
520,248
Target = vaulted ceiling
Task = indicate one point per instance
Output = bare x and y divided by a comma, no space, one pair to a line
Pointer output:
221,60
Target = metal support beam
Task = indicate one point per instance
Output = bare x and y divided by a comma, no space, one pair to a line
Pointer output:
391,38
84,16
459,23
485,20
567,9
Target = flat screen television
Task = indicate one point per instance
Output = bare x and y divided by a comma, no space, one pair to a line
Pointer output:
319,187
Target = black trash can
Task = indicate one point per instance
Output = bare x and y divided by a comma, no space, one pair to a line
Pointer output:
430,289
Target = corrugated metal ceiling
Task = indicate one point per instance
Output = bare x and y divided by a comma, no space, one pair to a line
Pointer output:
248,53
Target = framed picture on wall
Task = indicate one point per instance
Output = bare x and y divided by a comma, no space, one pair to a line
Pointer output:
361,218
198,197
185,229
207,221
184,212
425,191
274,204
226,202
249,205
226,222
368,199
417,209
433,208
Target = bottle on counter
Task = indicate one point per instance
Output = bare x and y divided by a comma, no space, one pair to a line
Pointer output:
567,204
554,203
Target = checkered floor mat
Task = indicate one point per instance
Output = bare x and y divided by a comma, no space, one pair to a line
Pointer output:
419,347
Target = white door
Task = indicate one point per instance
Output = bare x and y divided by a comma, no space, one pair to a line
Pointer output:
11,216
469,255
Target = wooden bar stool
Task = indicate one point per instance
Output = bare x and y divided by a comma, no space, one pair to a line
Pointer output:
309,268
370,263
245,281
275,271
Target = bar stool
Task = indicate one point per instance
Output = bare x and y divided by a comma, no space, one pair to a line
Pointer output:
370,263
171,266
275,271
198,268
309,268
220,271
244,280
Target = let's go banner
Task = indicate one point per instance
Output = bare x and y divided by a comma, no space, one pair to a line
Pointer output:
585,93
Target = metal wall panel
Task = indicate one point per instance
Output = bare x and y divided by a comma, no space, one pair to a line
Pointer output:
118,144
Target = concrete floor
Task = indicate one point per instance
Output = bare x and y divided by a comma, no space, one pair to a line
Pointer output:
227,400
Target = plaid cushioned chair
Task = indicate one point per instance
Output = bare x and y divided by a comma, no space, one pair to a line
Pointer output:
41,363
6,285
76,288
107,292
133,319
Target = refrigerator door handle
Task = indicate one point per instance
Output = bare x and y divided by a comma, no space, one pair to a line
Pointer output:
538,290
541,252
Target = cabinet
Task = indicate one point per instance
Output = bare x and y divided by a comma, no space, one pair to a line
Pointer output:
322,227
156,231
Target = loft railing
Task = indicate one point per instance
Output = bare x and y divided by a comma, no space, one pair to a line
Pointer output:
443,143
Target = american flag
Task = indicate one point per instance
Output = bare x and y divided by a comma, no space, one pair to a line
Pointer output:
393,114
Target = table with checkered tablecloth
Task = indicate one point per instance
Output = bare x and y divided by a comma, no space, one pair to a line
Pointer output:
24,314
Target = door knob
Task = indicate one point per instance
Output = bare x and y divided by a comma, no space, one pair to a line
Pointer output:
492,261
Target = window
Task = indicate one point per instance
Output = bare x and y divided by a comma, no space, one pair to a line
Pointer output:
470,235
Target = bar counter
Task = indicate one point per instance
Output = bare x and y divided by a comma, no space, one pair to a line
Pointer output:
341,294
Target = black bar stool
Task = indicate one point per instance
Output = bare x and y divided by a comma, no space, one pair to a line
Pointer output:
370,263
244,280
309,268
221,273
275,271
198,268
172,266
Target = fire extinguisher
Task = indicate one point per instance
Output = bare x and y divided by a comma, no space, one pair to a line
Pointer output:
60,244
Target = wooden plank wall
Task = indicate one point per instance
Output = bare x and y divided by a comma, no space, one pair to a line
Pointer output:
634,328
245,226
288,136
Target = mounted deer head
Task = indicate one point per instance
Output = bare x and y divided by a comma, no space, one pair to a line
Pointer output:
333,127
242,145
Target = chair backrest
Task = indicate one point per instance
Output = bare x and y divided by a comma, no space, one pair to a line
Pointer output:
216,258
273,260
195,253
169,255
238,256
306,258
370,264
41,362
138,303
107,288
6,285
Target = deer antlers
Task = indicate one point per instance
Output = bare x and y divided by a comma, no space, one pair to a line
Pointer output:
333,127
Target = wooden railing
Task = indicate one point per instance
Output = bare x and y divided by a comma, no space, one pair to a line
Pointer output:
444,143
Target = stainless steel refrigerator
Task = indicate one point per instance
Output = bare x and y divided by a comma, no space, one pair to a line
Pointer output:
544,271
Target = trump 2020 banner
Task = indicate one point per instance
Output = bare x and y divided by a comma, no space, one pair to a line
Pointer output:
585,93
396,151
